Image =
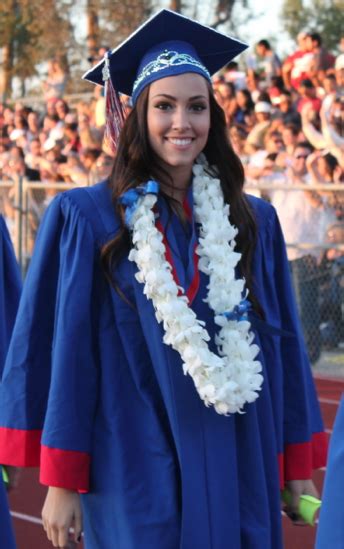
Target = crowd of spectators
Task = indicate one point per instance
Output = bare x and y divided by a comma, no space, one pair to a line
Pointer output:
271,106
59,144
285,121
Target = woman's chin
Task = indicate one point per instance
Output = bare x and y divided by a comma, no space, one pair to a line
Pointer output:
180,161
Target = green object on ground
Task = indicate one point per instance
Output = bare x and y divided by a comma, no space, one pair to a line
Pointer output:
308,506
5,475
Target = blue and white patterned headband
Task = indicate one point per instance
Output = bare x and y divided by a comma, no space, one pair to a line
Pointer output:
167,59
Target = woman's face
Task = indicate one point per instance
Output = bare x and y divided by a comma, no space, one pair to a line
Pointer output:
178,119
241,99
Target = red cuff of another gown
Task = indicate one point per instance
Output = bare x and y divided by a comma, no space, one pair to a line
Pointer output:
300,459
65,469
20,447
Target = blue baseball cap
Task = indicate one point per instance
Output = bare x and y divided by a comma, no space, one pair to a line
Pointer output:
166,45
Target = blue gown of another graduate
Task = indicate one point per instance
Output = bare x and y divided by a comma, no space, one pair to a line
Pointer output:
9,298
92,394
330,532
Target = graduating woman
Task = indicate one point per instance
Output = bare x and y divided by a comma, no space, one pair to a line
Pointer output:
10,286
157,367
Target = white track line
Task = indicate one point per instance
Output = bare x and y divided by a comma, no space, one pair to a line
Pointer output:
28,518
329,401
33,520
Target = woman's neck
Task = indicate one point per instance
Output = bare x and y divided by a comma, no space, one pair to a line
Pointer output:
181,179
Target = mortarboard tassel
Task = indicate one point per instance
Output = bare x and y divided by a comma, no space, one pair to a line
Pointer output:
114,110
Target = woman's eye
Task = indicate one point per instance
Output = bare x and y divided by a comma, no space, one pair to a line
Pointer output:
163,106
198,107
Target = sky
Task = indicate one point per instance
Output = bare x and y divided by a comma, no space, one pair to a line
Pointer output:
265,23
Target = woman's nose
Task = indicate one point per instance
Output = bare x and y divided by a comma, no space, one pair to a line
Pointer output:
181,120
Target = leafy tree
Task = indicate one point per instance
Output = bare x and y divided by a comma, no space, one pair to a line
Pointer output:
322,16
32,32
111,21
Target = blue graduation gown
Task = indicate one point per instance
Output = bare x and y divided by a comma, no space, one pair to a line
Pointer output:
119,420
330,532
9,298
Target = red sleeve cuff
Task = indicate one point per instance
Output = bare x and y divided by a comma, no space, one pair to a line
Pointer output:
65,469
300,459
320,449
20,447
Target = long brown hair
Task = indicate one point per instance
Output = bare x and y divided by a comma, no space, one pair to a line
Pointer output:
136,163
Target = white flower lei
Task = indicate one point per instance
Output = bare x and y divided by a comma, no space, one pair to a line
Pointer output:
232,378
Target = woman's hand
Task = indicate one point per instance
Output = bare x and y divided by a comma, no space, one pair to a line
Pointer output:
61,510
296,489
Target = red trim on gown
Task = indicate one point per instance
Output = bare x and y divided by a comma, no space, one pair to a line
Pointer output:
65,468
22,447
299,460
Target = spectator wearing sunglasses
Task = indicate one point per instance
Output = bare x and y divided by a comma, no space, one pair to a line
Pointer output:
304,220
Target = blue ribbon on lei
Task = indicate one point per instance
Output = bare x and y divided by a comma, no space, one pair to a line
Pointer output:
131,197
244,311
240,312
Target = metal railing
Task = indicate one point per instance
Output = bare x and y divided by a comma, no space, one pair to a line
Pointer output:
23,203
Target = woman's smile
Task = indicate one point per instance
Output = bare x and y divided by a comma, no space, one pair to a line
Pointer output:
180,142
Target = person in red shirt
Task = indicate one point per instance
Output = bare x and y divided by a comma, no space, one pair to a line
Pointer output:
298,65
308,95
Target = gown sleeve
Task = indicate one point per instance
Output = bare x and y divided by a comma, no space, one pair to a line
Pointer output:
49,387
302,441
10,287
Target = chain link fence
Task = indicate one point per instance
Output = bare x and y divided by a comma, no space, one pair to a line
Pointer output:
23,203
315,246
312,220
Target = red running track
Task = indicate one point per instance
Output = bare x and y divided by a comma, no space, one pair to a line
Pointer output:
27,501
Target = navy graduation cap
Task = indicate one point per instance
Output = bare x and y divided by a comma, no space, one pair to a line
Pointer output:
167,44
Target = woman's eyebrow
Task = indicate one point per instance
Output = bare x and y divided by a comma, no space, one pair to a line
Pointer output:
167,96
